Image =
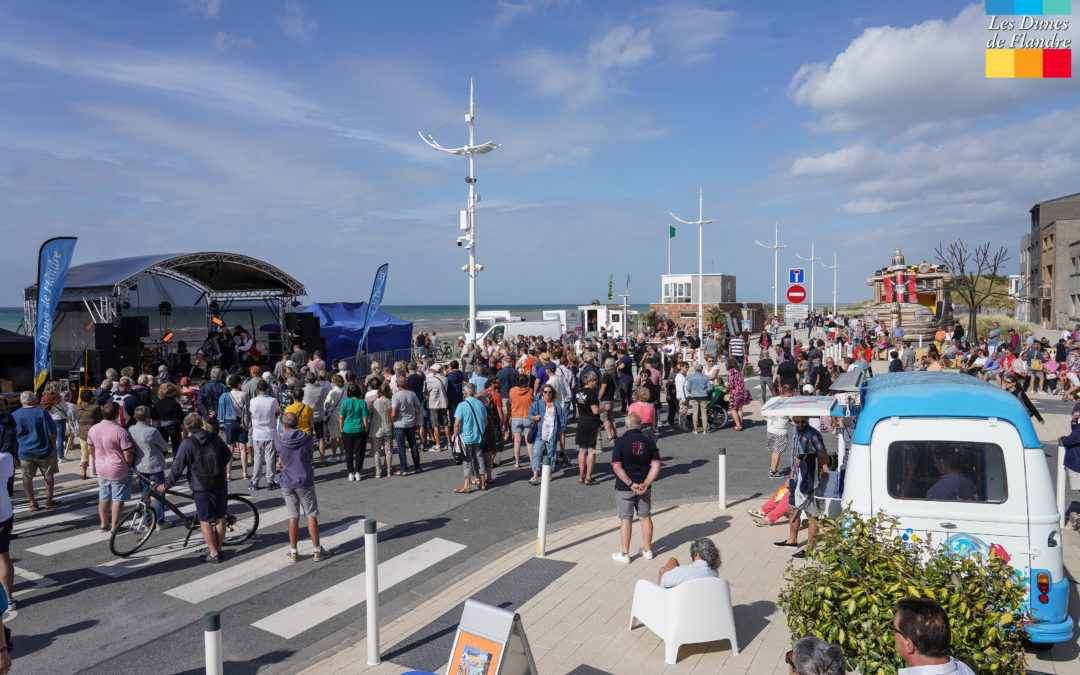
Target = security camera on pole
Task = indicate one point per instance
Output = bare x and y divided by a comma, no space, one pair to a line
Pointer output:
468,216
701,223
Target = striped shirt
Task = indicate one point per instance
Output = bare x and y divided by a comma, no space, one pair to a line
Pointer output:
737,347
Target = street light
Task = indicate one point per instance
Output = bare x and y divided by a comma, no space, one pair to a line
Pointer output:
468,216
701,223
832,267
810,260
775,266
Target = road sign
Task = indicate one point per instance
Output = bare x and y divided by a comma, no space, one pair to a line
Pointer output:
796,294
792,312
796,275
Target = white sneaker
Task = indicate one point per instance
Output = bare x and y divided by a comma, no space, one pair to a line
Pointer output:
645,554
352,476
621,557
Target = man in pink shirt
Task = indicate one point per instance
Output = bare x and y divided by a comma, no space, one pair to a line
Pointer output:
114,454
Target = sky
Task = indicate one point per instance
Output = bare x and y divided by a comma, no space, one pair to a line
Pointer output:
287,130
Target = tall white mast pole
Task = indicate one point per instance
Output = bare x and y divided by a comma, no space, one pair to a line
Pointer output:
701,223
811,260
470,208
776,267
833,267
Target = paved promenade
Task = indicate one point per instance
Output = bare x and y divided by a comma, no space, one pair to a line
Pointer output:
578,624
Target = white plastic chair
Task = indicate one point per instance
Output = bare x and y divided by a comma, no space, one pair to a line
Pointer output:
695,611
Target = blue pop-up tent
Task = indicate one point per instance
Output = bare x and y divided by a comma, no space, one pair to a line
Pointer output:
343,324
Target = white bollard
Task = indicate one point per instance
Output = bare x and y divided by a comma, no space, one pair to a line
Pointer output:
721,461
212,642
1061,485
541,526
371,568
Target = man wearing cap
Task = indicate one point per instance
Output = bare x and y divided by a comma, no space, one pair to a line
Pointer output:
435,394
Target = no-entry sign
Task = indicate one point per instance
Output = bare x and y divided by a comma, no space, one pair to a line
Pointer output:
796,294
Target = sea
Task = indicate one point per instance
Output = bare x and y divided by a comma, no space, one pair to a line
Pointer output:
443,320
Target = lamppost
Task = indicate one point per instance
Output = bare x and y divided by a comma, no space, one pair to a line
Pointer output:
810,260
775,267
701,223
468,216
832,267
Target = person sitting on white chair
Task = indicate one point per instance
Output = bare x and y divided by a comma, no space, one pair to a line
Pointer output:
705,563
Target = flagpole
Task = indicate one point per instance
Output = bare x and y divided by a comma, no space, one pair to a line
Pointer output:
669,251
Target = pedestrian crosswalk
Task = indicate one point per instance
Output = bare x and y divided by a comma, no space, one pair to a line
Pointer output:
120,567
314,610
250,569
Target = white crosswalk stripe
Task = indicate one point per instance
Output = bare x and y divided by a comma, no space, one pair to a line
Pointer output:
31,524
120,567
40,493
33,577
312,611
94,536
246,571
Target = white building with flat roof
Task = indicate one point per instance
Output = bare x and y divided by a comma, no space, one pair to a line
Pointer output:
683,288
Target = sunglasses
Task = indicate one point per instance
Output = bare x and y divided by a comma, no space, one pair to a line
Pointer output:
789,658
896,629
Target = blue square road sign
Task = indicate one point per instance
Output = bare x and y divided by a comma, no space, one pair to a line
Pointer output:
796,275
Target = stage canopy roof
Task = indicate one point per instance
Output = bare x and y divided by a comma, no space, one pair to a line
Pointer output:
222,276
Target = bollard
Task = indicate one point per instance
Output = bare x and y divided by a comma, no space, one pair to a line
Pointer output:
371,567
541,527
212,642
1061,485
721,461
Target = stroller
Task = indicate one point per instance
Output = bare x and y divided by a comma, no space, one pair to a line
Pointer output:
716,412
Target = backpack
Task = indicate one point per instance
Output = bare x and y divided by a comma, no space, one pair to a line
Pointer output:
119,399
207,466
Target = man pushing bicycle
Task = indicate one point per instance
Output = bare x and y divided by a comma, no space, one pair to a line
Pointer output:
207,457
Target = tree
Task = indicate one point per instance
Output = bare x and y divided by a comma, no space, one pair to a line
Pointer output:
716,316
651,318
968,267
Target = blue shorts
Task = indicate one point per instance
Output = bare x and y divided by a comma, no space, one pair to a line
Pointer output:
210,506
235,433
318,429
114,490
520,426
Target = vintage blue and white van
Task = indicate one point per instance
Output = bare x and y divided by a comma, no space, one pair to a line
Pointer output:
958,460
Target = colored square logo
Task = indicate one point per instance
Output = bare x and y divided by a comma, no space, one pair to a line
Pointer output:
1028,63
1027,7
999,7
1060,7
1057,63
1000,63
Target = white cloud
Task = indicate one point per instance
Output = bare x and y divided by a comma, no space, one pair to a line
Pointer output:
207,8
621,47
227,42
901,77
294,24
508,12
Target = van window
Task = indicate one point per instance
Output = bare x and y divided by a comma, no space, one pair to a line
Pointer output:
497,334
943,471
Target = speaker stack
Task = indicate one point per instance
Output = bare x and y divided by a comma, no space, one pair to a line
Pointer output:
304,328
117,346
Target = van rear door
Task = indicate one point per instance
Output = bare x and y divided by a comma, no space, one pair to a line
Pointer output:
959,481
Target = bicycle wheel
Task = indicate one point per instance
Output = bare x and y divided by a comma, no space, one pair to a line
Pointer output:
241,520
134,530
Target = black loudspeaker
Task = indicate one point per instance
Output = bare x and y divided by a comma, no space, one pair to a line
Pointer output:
292,322
133,329
274,344
100,360
128,356
311,343
106,337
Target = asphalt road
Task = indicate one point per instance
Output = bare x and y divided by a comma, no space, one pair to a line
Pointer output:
79,619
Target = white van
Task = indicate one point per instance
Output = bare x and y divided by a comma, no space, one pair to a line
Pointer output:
546,329
957,459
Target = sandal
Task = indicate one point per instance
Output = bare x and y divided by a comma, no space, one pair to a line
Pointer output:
399,472
53,503
592,481
581,479
462,490
34,507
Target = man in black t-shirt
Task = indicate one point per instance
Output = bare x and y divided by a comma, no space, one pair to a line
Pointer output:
765,369
635,462
787,373
588,437
609,385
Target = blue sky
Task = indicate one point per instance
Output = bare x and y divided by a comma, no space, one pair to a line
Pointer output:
287,130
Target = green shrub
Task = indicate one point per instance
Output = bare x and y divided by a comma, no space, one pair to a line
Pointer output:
862,568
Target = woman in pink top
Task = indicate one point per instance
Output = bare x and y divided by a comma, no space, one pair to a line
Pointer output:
642,407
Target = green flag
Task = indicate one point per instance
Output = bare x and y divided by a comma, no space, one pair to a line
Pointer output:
671,232
610,287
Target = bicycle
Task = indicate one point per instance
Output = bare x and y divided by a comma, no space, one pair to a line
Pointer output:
136,526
